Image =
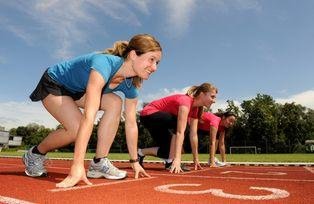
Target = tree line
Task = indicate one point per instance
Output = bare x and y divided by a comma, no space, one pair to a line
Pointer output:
261,122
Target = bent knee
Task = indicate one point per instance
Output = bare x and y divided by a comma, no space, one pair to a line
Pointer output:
72,131
111,102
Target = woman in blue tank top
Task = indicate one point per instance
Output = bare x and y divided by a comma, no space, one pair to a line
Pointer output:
90,82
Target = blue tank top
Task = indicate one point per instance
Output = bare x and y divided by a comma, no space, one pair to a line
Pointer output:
74,73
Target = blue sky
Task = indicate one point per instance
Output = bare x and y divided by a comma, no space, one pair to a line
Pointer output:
244,47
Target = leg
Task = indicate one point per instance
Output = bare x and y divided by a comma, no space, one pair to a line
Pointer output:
109,123
100,166
151,151
66,111
159,126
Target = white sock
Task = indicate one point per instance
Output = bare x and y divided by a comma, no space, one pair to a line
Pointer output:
139,151
168,160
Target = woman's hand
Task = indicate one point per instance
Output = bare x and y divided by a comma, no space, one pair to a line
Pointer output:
77,174
197,165
176,166
139,171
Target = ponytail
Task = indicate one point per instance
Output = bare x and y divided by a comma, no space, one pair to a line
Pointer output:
119,48
195,91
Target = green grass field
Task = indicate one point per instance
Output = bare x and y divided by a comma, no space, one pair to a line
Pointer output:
309,158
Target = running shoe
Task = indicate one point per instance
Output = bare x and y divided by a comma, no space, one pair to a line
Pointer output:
104,168
218,163
34,164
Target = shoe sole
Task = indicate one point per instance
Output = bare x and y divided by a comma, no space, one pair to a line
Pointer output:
91,174
220,165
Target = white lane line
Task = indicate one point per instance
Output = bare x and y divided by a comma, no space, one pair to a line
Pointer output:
285,168
8,200
275,192
256,173
309,169
55,190
234,178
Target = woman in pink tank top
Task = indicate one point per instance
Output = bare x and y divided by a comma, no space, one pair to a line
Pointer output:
215,126
166,120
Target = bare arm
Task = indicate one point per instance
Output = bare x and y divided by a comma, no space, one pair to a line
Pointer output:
131,131
181,125
212,142
222,148
194,143
92,102
194,138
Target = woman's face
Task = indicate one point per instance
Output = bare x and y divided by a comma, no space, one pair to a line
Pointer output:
209,98
228,122
144,65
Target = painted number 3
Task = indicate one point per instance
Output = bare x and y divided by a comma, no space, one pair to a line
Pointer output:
275,193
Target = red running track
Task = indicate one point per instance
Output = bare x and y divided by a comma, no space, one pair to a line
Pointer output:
233,184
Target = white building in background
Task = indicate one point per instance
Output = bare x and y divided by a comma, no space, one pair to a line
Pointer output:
9,141
4,137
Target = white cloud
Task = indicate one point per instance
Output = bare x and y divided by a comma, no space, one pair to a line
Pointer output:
63,21
54,21
142,5
14,114
179,14
66,23
226,5
305,98
119,10
15,28
247,4
20,33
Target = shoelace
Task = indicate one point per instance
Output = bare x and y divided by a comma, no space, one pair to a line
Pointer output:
111,166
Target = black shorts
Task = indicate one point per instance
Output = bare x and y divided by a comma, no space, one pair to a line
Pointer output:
48,86
161,126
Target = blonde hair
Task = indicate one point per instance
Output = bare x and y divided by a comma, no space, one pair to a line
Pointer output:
195,91
141,44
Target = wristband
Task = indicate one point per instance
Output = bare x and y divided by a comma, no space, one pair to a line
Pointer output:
134,160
